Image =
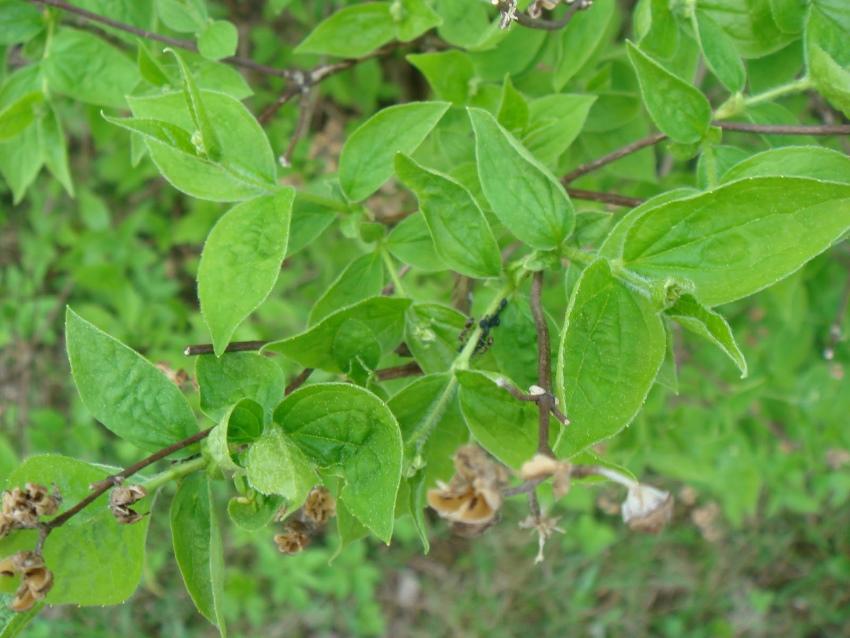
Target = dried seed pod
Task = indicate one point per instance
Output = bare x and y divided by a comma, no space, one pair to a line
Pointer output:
647,509
294,539
36,579
19,508
120,500
320,506
44,502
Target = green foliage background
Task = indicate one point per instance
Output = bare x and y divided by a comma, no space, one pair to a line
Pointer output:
759,544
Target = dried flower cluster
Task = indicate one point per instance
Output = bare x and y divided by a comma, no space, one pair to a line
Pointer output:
120,501
22,507
647,509
317,510
36,579
473,498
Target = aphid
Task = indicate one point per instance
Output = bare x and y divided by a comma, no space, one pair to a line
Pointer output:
486,324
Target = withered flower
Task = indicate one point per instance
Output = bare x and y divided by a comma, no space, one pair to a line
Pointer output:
544,526
295,538
320,506
120,500
542,466
22,507
36,579
474,495
647,509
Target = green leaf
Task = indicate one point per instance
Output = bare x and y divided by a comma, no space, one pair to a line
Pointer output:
218,40
523,194
362,278
657,28
741,237
750,24
816,162
513,108
410,242
84,67
831,80
12,622
702,321
19,115
246,419
150,68
505,427
19,22
184,16
208,145
123,390
612,346
253,512
246,166
241,261
461,234
416,17
431,332
366,160
85,553
235,376
277,465
719,52
163,132
449,73
197,546
20,161
351,32
580,39
54,147
554,123
346,429
320,346
677,108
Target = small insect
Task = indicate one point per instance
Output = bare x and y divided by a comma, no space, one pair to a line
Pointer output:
487,323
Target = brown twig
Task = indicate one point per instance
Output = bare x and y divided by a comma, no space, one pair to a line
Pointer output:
298,381
546,401
235,346
613,156
605,198
389,289
783,129
533,22
116,479
397,372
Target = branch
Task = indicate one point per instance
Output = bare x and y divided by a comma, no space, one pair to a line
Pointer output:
546,401
298,381
782,129
605,198
411,369
613,156
116,479
508,10
235,346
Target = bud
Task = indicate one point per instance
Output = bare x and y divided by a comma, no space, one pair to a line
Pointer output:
319,506
294,539
647,509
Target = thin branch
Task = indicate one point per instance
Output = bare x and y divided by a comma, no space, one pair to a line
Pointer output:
411,369
782,129
274,107
605,198
235,346
305,114
613,156
544,369
298,381
389,289
116,479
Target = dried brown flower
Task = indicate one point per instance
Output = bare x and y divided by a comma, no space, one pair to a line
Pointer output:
320,506
120,500
22,507
474,495
295,538
36,579
542,466
647,509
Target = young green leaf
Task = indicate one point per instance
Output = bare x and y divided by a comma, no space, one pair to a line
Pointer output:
741,237
410,242
719,52
554,122
163,132
19,22
218,40
85,553
523,194
241,262
184,16
246,166
431,332
19,115
54,147
84,67
449,73
332,343
197,547
346,429
362,278
513,108
123,390
830,78
366,160
414,18
21,159
816,162
202,125
238,375
241,422
253,511
461,234
505,427
702,321
677,108
580,39
612,346
352,32
276,465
